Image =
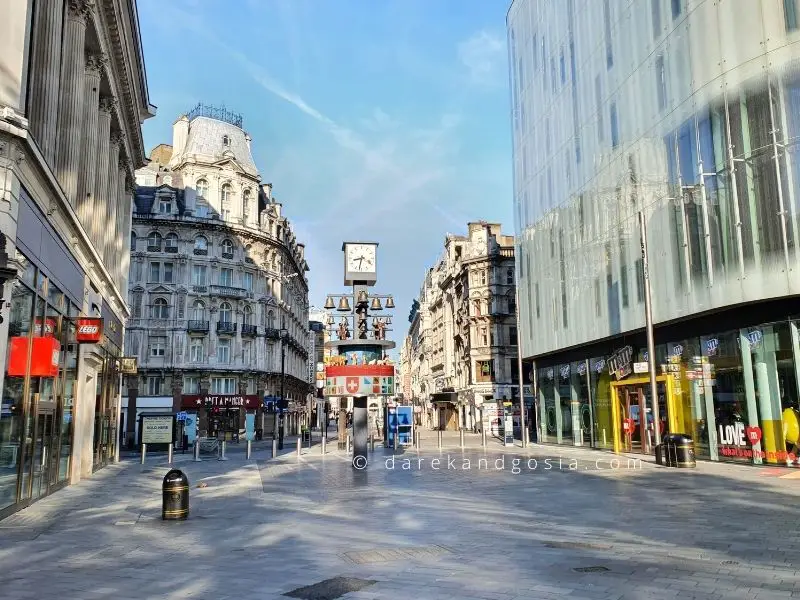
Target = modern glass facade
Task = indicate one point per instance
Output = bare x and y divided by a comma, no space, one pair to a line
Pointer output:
687,111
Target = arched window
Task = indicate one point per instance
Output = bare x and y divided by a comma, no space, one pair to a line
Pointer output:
247,316
246,202
227,249
154,242
200,245
226,141
271,320
202,188
225,193
198,311
225,313
133,241
160,309
171,242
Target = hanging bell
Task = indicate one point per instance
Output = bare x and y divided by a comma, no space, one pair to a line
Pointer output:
344,304
375,323
388,320
376,304
362,297
329,305
390,302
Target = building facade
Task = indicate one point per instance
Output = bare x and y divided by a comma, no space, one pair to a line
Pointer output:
461,349
218,288
687,113
73,95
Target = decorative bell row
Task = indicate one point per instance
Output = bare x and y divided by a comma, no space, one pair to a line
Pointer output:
363,298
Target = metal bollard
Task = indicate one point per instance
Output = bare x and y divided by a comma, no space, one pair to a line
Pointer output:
395,441
274,448
461,438
222,452
439,439
483,436
169,454
349,443
197,450
324,443
249,450
419,440
144,452
372,443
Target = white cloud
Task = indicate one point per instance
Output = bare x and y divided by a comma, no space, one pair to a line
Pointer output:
483,56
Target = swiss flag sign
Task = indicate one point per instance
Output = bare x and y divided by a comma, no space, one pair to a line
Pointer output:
352,384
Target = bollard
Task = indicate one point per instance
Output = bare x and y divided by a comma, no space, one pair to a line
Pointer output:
439,439
349,443
169,454
372,443
461,438
395,441
175,496
197,450
324,443
483,436
222,452
299,447
249,449
274,448
144,452
419,440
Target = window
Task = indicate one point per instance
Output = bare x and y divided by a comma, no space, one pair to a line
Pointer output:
226,277
160,309
202,188
167,272
271,320
223,351
225,193
223,385
510,276
598,101
198,311
476,308
196,353
191,384
607,24
225,313
200,245
227,249
484,337
563,67
512,305
133,241
137,305
155,272
158,346
247,316
790,15
676,8
154,242
154,386
226,214
483,277
226,141
614,126
165,206
512,335
597,296
247,281
536,297
483,371
661,83
171,242
198,274
655,9
247,352
640,280
246,202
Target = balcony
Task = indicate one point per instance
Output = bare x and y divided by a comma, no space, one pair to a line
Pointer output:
226,328
171,249
153,248
197,327
228,255
272,333
228,291
249,260
249,330
200,289
200,251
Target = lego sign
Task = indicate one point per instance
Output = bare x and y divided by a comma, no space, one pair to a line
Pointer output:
44,357
89,330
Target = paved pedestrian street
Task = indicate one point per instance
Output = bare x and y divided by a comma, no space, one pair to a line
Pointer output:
508,527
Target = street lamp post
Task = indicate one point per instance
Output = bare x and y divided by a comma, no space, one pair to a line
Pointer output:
283,333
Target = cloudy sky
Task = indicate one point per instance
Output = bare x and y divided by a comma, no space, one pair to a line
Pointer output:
380,120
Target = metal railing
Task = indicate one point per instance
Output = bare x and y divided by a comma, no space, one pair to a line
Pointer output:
226,327
197,326
250,330
226,290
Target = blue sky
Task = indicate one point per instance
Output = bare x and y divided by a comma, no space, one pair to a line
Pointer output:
381,120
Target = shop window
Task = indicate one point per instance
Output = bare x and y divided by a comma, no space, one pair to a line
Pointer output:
483,371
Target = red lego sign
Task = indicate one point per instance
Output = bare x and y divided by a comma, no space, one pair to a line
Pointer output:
44,356
89,330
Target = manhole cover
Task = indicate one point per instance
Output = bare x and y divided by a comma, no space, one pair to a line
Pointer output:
729,562
380,555
330,589
590,569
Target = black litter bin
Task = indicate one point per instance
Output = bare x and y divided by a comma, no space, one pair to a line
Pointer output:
175,491
684,451
668,451
659,453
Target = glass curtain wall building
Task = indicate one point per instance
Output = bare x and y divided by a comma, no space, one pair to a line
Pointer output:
687,111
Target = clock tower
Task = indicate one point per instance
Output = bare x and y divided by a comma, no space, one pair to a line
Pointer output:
360,263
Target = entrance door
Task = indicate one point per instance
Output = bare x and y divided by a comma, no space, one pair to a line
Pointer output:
43,454
637,408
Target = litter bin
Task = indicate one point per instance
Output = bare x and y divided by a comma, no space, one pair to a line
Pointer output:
684,451
659,453
175,493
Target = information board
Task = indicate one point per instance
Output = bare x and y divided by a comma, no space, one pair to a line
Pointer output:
157,429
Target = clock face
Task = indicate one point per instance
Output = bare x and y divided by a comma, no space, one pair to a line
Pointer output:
361,258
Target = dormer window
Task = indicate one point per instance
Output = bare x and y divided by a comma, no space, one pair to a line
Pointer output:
225,194
165,206
226,141
202,188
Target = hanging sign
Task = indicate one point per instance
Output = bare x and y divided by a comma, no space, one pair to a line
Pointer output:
128,365
44,357
89,330
619,364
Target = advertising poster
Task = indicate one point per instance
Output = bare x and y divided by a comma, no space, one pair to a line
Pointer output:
157,429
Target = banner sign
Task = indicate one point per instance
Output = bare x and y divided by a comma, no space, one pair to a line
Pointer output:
157,429
250,401
359,380
89,330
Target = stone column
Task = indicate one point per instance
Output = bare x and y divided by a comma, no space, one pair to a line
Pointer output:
70,104
45,74
88,170
117,210
111,200
101,174
127,220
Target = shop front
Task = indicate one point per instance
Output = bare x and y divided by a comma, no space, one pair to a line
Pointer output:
734,392
221,416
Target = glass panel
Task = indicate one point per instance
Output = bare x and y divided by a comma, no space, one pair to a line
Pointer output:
601,403
547,417
563,408
70,367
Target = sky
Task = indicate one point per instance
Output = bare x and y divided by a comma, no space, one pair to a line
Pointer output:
383,121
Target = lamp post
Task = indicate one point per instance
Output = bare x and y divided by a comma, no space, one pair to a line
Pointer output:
283,333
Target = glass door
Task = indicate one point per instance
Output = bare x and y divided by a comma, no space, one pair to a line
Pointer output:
43,454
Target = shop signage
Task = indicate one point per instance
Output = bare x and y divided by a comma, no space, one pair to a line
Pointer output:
44,357
582,369
89,330
599,365
739,435
157,429
128,365
677,350
49,327
195,401
640,367
565,372
550,373
619,364
712,346
755,337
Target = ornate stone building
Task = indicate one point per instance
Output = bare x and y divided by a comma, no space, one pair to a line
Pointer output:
462,342
218,281
73,95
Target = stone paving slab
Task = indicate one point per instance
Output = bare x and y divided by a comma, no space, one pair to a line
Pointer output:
263,528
